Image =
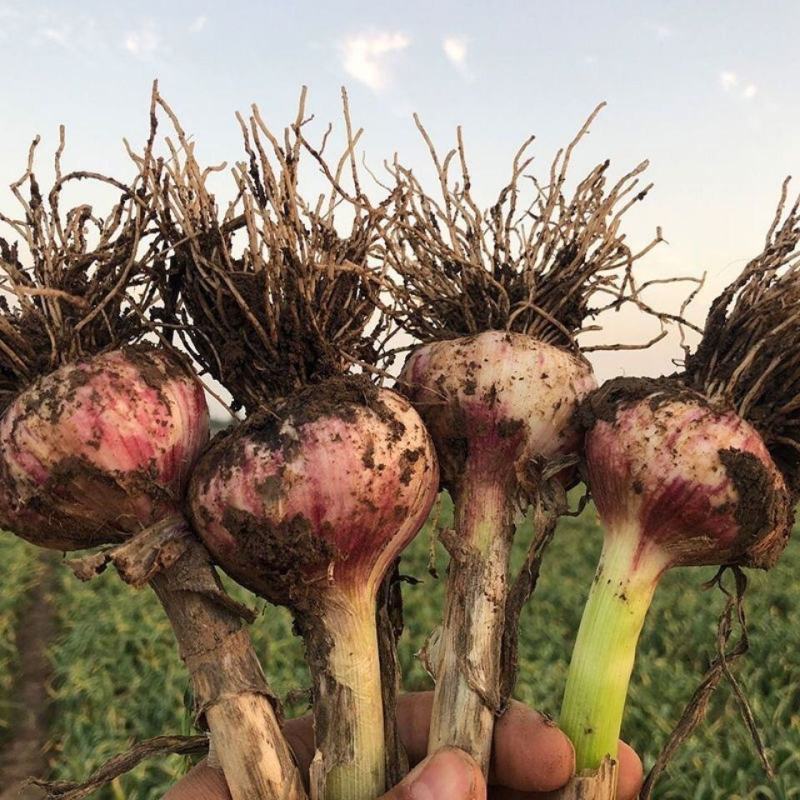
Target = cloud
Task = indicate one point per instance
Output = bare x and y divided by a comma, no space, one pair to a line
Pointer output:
141,43
455,48
198,23
364,56
728,80
10,20
59,36
662,32
74,32
9,11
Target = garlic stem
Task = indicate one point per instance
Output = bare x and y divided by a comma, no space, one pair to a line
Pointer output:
602,660
342,651
468,673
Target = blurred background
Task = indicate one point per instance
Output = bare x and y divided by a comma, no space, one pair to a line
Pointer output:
706,91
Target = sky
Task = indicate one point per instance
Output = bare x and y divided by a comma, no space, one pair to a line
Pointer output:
706,91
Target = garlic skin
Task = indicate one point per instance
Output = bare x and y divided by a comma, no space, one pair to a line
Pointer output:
101,448
695,482
505,399
309,506
499,406
324,494
678,480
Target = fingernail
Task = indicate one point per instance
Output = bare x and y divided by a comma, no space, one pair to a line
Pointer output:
444,775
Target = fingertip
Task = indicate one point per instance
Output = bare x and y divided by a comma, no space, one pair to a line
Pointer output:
531,754
200,783
414,720
556,757
299,735
448,774
631,773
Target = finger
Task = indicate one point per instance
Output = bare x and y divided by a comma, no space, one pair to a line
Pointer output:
201,783
629,779
299,734
529,754
501,793
448,774
413,720
631,773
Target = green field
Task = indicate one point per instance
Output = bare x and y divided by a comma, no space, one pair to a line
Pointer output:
116,675
21,569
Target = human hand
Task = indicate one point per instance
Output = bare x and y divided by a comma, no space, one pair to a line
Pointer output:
531,757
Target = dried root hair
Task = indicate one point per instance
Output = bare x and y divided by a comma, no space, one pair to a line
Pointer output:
720,668
298,303
540,266
72,284
749,355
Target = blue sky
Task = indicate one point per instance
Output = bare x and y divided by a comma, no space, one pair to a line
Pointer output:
707,91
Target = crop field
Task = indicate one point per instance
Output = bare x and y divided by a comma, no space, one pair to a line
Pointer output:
21,569
115,675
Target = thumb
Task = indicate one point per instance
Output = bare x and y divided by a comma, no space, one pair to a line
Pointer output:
449,774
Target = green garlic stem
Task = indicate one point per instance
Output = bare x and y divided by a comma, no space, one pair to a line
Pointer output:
605,648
